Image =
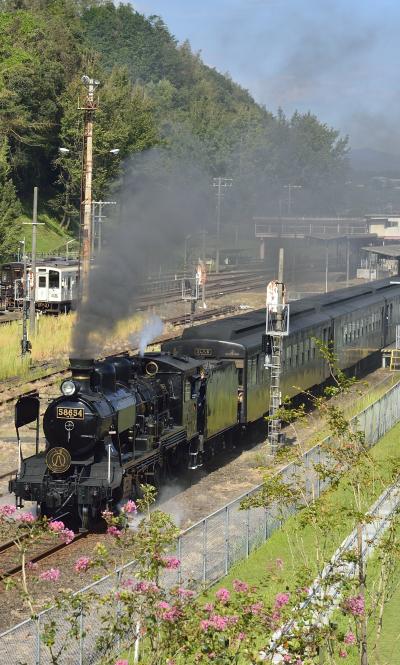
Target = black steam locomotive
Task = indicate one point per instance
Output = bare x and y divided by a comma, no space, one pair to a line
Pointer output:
118,423
128,420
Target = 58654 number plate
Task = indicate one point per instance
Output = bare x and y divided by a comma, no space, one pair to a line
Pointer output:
70,414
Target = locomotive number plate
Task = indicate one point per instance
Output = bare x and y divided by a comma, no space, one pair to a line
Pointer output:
70,414
203,352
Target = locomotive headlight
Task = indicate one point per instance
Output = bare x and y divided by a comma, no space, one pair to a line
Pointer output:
68,388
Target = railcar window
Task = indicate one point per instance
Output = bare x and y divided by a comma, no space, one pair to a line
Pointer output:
42,281
54,279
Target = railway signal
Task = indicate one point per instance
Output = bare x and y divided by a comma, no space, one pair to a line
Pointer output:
276,328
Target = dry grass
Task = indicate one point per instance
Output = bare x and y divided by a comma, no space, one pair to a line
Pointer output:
52,343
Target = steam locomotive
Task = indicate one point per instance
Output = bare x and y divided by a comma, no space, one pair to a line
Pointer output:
127,419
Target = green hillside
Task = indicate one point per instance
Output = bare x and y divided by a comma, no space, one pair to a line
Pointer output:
153,92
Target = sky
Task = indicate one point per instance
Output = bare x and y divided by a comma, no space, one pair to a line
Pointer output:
336,58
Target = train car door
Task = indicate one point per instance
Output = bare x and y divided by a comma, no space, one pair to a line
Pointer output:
54,285
41,285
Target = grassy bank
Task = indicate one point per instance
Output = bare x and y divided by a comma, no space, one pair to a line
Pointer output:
299,545
52,343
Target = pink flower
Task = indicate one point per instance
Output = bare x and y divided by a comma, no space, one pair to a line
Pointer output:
185,593
355,605
31,566
279,563
27,518
121,662
342,653
208,607
287,658
82,564
281,599
7,510
146,587
56,526
113,531
163,605
67,536
171,615
240,587
256,608
51,575
129,507
350,638
241,637
223,595
205,624
219,622
170,562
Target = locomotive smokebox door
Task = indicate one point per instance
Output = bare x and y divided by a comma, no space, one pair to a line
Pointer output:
26,409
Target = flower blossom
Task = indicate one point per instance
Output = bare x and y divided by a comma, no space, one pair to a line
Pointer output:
7,510
208,607
67,536
256,608
240,587
342,653
113,531
57,526
27,518
350,638
163,605
185,593
129,507
170,562
121,662
281,599
223,595
355,605
241,637
147,587
51,575
82,564
287,658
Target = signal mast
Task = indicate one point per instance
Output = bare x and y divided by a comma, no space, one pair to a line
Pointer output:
276,328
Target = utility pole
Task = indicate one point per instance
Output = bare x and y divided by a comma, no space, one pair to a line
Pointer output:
220,184
25,343
98,219
362,589
32,281
289,188
89,109
277,327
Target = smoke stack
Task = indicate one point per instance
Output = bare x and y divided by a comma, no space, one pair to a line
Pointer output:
82,371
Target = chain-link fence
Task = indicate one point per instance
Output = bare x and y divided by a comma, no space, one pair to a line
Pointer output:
207,551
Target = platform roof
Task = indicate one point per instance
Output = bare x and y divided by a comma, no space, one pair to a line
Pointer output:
389,251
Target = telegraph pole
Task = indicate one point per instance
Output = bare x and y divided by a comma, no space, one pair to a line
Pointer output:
25,343
289,188
98,219
220,184
32,281
89,109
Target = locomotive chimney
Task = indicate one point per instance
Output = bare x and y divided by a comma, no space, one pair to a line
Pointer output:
82,372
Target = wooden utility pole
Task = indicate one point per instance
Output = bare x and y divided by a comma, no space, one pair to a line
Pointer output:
89,109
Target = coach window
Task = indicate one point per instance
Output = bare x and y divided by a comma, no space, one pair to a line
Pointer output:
42,281
54,279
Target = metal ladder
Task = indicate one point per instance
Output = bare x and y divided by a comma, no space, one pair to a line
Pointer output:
394,360
274,424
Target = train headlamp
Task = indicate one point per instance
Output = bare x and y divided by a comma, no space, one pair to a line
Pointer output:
68,388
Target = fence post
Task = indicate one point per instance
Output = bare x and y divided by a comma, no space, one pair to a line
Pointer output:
265,524
81,637
180,559
38,642
247,532
226,539
204,550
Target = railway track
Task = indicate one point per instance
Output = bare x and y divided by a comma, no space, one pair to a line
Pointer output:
9,553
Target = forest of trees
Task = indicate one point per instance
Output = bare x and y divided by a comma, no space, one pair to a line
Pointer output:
154,92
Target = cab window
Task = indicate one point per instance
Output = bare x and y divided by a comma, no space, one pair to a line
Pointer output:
54,279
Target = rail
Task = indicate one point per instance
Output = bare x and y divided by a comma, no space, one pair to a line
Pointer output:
206,550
